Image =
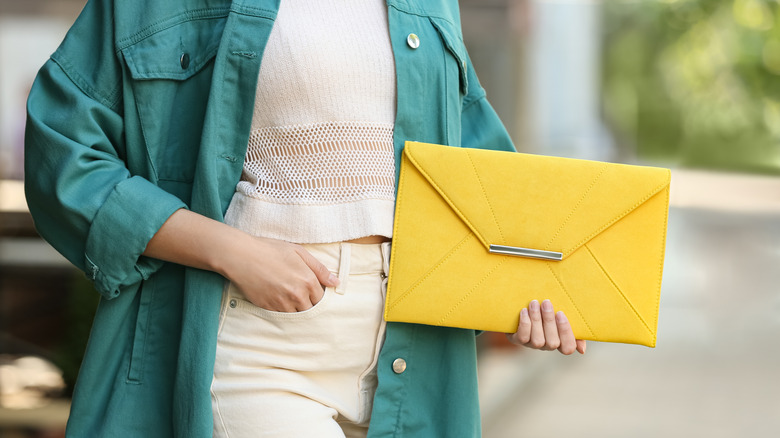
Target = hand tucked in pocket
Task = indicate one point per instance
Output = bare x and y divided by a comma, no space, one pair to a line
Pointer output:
543,329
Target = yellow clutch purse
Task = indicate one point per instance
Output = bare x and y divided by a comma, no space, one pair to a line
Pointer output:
478,234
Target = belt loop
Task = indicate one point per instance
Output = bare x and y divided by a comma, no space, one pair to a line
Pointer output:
344,259
386,258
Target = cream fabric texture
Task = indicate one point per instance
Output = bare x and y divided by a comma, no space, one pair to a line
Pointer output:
320,153
304,374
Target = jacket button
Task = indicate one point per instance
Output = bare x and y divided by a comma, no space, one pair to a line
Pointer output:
184,61
413,41
232,304
399,366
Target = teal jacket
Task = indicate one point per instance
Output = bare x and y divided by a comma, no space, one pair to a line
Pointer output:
145,108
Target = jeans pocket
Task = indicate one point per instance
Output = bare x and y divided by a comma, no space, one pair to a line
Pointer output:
240,303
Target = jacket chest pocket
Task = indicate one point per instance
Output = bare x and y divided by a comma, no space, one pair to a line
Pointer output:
171,73
432,76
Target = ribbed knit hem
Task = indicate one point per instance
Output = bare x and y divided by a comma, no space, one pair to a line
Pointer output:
311,223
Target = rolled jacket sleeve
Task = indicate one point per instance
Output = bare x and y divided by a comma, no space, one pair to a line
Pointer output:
83,198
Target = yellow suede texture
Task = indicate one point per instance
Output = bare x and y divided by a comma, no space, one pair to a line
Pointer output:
608,220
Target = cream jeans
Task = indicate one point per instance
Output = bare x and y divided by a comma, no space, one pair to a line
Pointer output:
304,374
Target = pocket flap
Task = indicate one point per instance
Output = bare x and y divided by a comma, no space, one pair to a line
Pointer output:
177,52
534,201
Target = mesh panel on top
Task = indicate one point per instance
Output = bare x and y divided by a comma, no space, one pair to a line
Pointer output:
320,163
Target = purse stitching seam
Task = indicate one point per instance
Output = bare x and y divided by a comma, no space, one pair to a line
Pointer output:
576,206
652,193
468,294
620,292
593,335
661,264
430,272
484,194
447,199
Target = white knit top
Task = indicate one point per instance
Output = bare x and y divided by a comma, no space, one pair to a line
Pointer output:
319,165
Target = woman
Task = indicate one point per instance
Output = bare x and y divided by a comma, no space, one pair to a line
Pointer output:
149,124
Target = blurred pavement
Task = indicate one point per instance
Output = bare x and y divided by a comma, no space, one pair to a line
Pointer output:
716,369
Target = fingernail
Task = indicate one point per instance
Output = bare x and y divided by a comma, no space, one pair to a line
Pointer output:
561,317
534,306
524,315
333,280
547,306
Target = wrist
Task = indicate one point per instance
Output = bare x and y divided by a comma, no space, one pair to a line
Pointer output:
226,250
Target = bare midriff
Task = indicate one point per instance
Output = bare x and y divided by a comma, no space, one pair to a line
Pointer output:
369,240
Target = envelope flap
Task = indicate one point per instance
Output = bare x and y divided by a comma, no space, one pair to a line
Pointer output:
533,201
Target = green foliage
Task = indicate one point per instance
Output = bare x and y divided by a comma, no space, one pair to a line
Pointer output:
695,82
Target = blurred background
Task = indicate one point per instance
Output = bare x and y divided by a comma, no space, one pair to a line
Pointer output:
693,85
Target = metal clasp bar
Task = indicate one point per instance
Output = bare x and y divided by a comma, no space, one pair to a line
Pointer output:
526,252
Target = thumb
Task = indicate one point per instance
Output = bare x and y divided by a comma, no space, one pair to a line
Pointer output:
325,277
